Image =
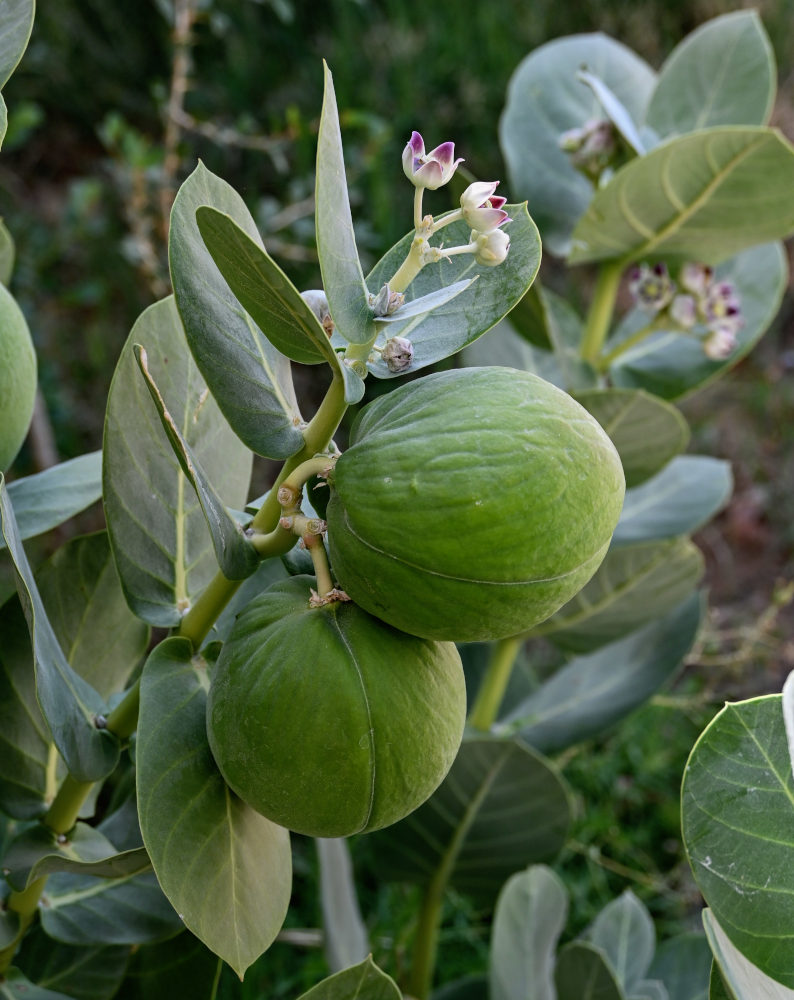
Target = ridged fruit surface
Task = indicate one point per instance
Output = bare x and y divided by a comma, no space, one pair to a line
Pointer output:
17,378
328,721
472,504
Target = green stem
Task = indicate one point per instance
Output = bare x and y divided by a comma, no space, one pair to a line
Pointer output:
314,544
410,267
62,814
606,359
489,697
418,192
426,937
601,310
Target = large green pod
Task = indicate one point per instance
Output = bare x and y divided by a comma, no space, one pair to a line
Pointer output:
472,504
328,721
17,378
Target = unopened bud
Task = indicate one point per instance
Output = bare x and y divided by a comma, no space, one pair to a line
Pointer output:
398,353
386,301
490,248
317,301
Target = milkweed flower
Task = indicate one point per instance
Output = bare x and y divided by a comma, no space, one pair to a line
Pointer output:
652,287
491,248
429,170
481,209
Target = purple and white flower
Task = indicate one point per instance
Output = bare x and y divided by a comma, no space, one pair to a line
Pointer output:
481,209
429,170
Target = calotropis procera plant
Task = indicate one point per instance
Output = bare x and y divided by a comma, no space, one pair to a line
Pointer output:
148,789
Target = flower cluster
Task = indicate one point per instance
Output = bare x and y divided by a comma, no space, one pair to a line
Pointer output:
702,300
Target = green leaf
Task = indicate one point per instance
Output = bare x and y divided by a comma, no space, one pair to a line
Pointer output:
15,986
544,99
615,111
7,253
681,498
26,763
159,537
226,869
624,932
236,556
742,980
462,826
670,364
468,988
593,692
182,967
633,585
16,23
264,291
650,989
705,196
717,988
343,279
502,347
721,74
344,931
530,916
460,321
683,964
102,639
583,973
46,499
788,714
364,982
92,973
38,852
646,431
249,378
737,803
68,703
86,911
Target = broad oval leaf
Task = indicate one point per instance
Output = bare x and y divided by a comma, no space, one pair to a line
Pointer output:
544,99
68,703
250,379
16,23
343,279
46,499
364,982
683,964
530,916
721,74
583,973
462,826
737,803
461,320
592,692
624,932
681,498
16,986
646,431
182,967
744,980
633,585
159,537
226,869
707,196
670,365
90,973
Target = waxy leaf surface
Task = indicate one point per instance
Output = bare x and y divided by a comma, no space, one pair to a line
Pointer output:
741,980
16,23
683,964
249,378
226,869
737,803
160,540
345,934
362,982
704,196
544,99
583,973
624,932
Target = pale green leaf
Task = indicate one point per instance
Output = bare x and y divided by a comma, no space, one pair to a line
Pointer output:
544,99
624,932
7,252
742,979
683,964
788,714
737,803
249,378
646,431
345,933
361,982
343,279
530,916
160,540
721,74
615,111
226,869
583,973
706,196
16,23
15,986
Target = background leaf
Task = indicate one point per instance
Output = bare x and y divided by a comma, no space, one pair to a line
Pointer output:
545,99
16,22
583,973
344,931
737,803
93,973
744,980
624,932
160,540
593,692
364,982
530,916
15,986
501,807
681,498
226,869
721,74
249,378
705,196
180,967
683,964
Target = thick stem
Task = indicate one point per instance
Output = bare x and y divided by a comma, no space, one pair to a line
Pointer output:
601,310
410,267
314,544
494,684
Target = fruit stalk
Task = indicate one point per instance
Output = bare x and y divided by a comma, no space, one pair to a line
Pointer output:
491,691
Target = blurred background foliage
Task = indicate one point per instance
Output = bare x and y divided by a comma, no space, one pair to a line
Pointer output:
109,111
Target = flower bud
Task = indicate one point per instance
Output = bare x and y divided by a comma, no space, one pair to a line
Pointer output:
591,147
429,170
491,248
386,301
482,210
683,311
398,353
696,278
317,301
720,343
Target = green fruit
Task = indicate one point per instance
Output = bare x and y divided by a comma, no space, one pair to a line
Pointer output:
17,378
472,504
327,721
